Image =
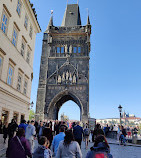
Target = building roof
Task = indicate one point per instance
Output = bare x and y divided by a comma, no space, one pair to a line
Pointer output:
35,15
71,16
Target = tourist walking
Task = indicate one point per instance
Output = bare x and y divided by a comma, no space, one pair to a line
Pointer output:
69,148
12,127
18,146
78,132
97,131
86,136
123,136
5,131
100,149
118,133
40,130
30,134
57,139
23,124
47,132
0,127
42,151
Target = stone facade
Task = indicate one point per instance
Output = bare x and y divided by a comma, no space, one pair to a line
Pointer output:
64,70
16,58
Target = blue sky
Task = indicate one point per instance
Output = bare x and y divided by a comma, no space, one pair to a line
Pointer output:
115,57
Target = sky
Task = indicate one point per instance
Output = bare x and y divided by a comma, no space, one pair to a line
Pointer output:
115,57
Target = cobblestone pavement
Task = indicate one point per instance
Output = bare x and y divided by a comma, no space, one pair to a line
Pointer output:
117,151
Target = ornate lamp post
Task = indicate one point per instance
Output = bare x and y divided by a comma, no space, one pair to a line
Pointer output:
31,105
120,110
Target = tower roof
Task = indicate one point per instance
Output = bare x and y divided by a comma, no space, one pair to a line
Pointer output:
88,20
72,15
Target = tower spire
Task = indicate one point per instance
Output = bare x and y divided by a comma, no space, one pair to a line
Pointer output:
50,21
88,19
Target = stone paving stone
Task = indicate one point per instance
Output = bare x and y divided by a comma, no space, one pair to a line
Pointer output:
117,151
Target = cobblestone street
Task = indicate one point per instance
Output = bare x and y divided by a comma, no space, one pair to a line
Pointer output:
117,151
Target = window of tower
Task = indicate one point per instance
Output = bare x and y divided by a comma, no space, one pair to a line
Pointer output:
79,49
62,49
74,49
58,49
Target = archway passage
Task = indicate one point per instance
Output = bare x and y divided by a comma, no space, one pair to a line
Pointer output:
57,103
71,110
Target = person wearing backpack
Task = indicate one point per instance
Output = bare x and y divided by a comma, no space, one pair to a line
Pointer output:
42,151
100,149
86,136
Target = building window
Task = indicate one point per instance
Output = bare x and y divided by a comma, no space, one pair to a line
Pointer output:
58,49
19,82
74,49
28,57
1,61
4,22
19,7
79,49
23,48
62,49
25,87
14,37
30,31
26,22
10,75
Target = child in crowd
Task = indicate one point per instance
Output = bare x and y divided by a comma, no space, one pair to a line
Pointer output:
42,150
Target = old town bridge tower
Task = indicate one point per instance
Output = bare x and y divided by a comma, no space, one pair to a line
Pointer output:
64,69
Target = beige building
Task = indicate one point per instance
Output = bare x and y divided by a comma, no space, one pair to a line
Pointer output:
18,29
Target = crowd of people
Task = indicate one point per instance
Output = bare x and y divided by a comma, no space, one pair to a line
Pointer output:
55,139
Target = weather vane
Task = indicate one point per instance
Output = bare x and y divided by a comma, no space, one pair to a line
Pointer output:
51,11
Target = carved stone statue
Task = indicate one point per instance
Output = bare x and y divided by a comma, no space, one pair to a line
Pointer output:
67,75
74,79
70,49
63,77
70,78
66,48
59,79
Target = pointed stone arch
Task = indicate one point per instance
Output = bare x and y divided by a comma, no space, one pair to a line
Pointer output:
59,100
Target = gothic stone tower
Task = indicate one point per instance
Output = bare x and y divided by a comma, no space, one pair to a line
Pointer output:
64,69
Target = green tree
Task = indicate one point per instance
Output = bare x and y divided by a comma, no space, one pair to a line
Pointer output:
31,114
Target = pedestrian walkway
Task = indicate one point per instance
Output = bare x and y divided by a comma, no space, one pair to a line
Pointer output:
113,141
118,151
2,146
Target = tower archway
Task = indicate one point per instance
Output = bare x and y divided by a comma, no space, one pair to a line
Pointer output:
59,100
69,111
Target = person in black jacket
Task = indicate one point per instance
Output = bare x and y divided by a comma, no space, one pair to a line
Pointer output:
12,127
97,131
78,132
5,131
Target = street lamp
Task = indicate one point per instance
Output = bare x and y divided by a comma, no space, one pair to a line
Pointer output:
120,110
31,105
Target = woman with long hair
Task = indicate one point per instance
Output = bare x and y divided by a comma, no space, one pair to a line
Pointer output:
68,147
100,148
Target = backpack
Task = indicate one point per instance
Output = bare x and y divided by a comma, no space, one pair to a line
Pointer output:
86,132
102,154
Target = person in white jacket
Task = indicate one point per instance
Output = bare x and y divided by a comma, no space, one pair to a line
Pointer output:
68,148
